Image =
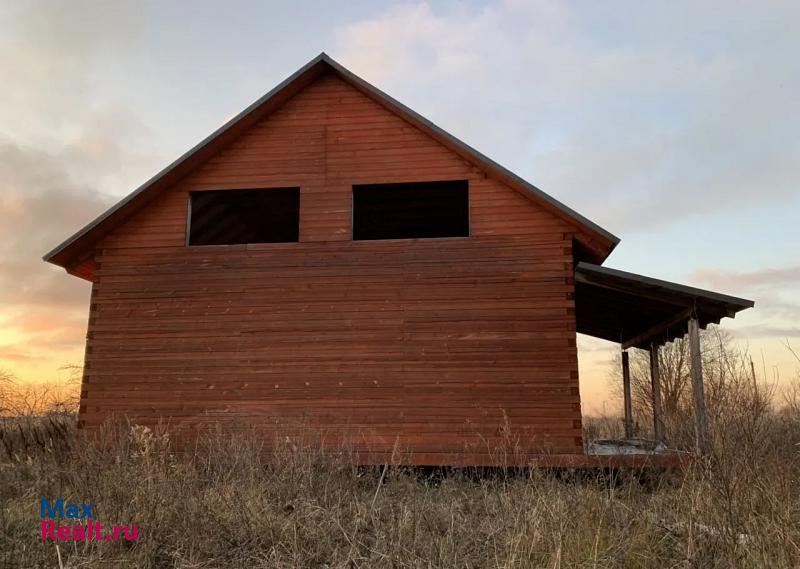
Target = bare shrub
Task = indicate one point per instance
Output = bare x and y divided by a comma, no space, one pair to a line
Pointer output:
733,392
35,419
18,399
235,499
22,438
232,500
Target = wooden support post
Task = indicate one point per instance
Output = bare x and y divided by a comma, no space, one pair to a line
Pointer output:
626,392
658,421
700,417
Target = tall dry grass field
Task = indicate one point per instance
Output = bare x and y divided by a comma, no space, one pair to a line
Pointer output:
231,502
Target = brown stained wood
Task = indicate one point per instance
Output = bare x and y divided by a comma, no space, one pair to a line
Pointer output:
447,347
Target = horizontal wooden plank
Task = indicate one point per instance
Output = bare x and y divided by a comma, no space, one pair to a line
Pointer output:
436,345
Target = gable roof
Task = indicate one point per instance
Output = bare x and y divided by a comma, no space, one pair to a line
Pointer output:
596,241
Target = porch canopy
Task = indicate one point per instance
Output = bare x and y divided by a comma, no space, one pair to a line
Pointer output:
642,312
636,311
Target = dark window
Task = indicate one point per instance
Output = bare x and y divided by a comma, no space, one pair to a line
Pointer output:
411,210
229,217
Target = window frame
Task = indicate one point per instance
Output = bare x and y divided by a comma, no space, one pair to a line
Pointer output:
189,212
466,235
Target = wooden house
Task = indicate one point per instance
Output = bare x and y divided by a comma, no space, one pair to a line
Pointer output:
332,259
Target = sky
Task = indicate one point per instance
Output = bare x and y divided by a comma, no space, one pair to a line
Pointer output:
674,125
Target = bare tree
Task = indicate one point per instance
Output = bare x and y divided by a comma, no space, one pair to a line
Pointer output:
75,372
19,399
728,375
7,381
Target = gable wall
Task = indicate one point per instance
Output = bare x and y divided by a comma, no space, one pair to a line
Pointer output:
431,345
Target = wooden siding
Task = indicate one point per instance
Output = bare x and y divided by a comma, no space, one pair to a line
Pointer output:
447,348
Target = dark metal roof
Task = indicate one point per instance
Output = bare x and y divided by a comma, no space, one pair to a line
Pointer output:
72,250
619,306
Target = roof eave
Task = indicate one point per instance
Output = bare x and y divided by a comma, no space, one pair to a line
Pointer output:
732,301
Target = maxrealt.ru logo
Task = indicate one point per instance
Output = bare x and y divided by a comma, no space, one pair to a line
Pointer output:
87,530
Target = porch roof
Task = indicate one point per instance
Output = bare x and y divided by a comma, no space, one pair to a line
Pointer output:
636,310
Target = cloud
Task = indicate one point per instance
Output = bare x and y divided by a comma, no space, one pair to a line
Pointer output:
48,52
16,356
776,291
40,206
767,331
66,152
41,308
638,121
749,279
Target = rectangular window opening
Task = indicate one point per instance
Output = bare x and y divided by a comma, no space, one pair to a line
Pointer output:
234,217
411,210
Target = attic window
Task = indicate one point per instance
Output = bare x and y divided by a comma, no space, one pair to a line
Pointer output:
231,217
411,210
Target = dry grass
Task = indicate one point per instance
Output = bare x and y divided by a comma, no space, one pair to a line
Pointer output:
230,503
